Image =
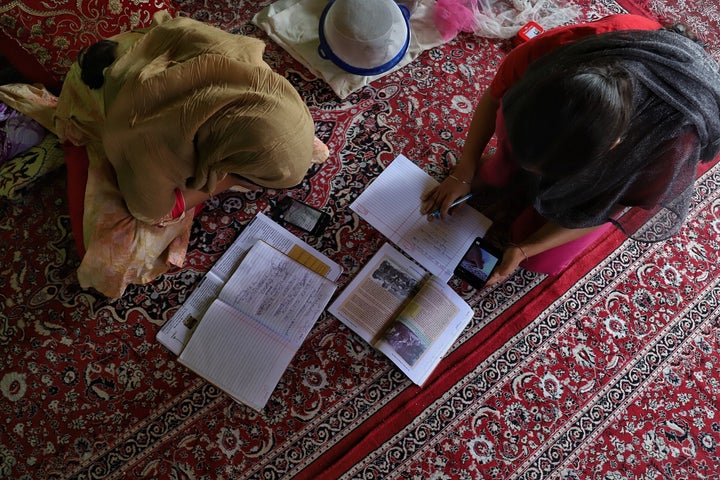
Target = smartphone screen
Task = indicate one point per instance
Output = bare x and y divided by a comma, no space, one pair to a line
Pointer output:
478,263
301,215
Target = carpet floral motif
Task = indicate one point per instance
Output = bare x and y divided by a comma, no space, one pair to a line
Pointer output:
54,32
608,371
616,378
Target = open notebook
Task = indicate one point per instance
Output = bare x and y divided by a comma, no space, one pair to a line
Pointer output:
392,205
246,319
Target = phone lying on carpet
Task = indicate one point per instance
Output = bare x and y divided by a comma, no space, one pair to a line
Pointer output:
478,263
301,215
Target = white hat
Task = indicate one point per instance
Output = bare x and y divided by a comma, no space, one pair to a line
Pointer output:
364,37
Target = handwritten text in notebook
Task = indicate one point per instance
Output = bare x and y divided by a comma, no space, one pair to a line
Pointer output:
392,205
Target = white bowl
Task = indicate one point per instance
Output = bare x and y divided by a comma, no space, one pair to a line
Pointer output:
364,37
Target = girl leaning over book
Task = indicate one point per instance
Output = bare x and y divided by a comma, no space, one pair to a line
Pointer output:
596,117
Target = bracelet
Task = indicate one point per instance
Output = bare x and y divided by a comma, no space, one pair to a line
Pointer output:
456,178
521,249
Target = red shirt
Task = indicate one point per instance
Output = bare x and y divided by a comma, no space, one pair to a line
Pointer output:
518,60
499,171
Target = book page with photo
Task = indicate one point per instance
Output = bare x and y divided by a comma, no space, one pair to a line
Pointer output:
410,315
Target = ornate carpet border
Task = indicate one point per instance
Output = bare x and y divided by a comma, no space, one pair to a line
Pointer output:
463,403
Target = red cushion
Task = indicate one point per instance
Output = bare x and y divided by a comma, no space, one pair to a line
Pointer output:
76,159
43,39
28,67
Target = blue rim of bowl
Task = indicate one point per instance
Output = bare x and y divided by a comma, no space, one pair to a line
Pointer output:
326,52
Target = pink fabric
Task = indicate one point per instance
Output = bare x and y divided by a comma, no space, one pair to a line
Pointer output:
454,16
555,260
498,171
179,207
77,164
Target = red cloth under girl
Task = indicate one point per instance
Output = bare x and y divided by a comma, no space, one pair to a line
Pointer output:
499,170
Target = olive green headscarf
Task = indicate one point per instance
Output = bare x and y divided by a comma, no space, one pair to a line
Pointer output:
188,103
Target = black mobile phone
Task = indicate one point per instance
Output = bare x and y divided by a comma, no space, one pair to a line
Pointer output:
478,263
301,215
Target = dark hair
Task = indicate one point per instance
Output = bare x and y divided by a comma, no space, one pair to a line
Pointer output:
94,60
569,118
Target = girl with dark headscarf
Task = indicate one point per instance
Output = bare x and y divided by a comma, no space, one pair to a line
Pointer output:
602,116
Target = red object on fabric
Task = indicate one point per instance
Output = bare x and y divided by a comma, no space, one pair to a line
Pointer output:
516,63
76,162
528,31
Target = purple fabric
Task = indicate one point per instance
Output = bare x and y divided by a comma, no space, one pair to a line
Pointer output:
18,133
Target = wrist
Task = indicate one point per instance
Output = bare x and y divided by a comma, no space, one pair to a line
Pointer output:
522,251
463,174
454,177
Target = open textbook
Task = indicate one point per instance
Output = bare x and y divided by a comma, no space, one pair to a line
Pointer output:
392,203
395,305
242,325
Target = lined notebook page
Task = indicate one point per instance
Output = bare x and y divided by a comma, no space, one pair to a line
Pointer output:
177,331
264,228
250,333
392,204
278,292
238,355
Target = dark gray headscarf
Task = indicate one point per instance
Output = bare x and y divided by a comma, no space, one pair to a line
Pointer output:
675,125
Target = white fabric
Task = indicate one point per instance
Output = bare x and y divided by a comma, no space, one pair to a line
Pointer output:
503,18
293,24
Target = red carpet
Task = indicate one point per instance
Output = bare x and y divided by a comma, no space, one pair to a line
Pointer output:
606,371
702,17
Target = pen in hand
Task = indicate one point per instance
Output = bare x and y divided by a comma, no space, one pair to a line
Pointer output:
457,202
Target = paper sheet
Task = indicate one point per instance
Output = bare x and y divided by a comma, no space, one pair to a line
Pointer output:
392,205
250,333
264,356
370,301
410,316
176,331
277,291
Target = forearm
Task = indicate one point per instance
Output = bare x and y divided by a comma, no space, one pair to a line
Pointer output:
459,182
482,127
549,236
194,198
552,235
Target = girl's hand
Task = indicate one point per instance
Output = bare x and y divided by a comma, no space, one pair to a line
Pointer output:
441,197
510,262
